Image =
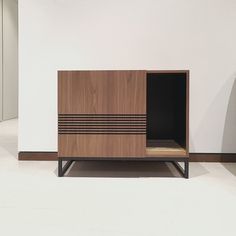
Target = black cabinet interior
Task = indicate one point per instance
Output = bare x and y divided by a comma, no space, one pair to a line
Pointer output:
166,109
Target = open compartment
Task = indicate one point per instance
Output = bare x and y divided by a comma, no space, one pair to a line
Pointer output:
166,114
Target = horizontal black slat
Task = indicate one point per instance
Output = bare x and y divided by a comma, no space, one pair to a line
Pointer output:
134,123
100,130
91,115
116,121
85,133
86,124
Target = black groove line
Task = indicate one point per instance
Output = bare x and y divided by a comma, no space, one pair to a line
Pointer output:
89,129
101,119
102,115
104,133
128,123
140,125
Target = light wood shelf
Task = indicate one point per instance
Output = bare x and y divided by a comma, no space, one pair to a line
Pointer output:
164,147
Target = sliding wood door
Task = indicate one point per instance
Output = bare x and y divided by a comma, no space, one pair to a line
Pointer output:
101,113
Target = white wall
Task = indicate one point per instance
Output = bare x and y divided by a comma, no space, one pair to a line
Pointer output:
129,34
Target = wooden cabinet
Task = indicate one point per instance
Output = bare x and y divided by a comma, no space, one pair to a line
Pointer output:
137,115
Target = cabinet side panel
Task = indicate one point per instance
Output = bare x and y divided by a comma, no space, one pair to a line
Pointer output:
187,112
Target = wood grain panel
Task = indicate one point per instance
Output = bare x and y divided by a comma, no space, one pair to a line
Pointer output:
101,145
101,92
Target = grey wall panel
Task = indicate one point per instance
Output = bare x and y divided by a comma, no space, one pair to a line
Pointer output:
1,60
10,59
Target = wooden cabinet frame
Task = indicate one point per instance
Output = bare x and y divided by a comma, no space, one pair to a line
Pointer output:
123,115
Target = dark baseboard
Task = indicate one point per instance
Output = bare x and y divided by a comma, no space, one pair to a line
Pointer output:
193,157
37,156
212,157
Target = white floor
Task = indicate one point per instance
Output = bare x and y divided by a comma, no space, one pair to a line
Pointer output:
112,199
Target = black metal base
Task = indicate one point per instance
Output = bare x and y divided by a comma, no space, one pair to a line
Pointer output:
62,169
183,171
175,161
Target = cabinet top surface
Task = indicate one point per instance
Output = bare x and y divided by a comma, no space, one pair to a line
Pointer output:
147,71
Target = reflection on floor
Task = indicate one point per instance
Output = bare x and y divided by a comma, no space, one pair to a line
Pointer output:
128,199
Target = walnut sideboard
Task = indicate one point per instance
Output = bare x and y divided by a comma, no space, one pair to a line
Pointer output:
123,115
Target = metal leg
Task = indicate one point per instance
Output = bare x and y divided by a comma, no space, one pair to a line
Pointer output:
62,169
186,168
184,172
